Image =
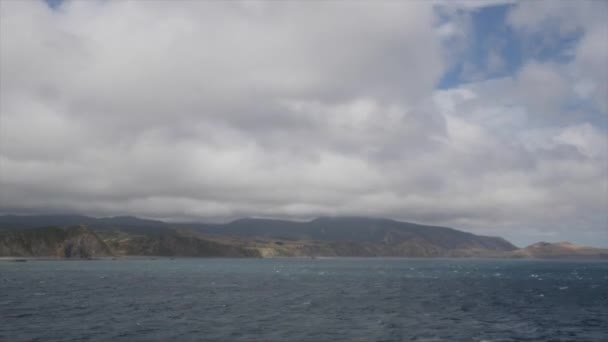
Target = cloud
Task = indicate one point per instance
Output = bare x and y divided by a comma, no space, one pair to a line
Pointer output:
554,22
543,86
209,97
211,110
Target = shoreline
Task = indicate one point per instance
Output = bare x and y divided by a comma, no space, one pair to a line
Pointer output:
320,258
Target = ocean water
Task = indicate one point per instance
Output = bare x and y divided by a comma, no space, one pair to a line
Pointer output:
303,300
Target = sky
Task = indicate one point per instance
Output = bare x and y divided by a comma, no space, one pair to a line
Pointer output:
487,116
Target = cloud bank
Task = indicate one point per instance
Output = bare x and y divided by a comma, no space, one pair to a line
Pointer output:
211,110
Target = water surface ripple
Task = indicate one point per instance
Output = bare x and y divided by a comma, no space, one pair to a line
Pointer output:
303,300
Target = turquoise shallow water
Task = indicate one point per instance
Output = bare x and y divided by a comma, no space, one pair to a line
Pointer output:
303,300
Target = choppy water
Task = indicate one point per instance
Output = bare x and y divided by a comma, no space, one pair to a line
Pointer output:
303,300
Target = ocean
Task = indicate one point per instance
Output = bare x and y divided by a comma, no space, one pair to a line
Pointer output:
333,299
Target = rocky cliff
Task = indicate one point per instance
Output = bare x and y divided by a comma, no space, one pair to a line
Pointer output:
82,242
72,242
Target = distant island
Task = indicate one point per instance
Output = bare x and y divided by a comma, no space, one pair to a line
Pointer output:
73,236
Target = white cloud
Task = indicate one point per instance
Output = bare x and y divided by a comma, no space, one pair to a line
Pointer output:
554,21
587,139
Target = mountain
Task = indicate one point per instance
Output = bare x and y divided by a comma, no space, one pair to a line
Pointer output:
362,236
82,242
252,237
546,250
171,242
125,223
36,221
329,236
72,242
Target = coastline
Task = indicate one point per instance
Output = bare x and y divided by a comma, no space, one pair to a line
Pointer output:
320,258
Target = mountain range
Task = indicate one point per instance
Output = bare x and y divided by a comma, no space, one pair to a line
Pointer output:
86,237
